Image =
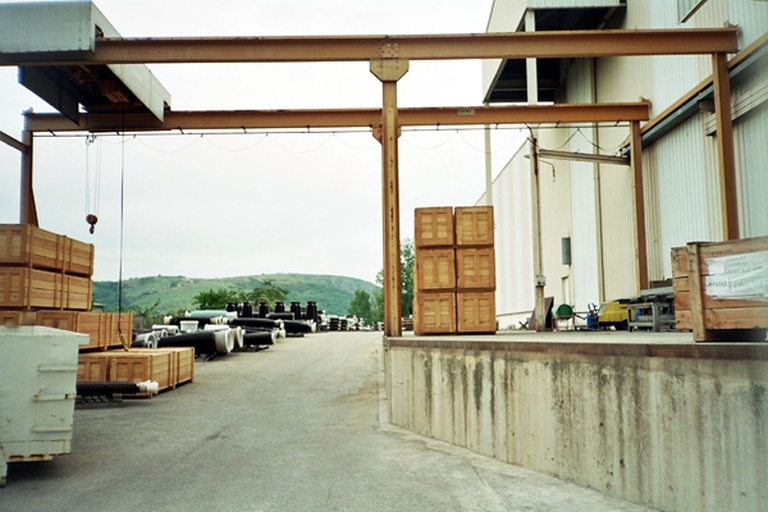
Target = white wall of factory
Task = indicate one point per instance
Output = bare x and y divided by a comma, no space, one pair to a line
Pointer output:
592,204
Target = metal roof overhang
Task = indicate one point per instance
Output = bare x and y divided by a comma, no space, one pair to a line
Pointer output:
74,27
509,84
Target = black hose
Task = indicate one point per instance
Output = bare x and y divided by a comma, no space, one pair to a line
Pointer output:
251,339
295,326
256,322
285,315
107,388
204,342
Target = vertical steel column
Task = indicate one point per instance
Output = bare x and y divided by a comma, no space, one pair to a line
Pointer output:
27,207
540,281
725,152
389,71
638,202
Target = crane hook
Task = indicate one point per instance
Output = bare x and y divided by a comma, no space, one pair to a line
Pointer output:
92,220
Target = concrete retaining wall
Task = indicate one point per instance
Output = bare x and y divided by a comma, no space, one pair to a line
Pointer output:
675,427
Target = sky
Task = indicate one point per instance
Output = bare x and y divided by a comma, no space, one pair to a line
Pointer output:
222,205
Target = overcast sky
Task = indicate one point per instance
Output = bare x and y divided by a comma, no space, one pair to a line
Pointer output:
220,206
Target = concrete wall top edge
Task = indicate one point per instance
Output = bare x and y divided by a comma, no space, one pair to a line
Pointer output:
709,351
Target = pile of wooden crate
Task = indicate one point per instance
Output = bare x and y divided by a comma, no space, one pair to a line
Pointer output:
455,274
721,289
45,279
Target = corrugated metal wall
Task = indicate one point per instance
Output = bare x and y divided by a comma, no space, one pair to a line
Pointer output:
585,269
514,253
685,190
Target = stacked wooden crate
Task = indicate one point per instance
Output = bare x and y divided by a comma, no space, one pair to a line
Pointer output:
168,367
721,289
454,280
45,279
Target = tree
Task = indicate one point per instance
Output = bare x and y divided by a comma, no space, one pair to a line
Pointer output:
217,299
360,306
407,263
269,291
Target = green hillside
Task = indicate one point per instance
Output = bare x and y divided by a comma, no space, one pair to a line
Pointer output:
332,293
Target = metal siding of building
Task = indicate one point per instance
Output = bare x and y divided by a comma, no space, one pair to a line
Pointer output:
750,135
514,251
683,188
585,268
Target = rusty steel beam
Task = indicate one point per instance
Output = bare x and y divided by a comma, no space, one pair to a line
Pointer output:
346,118
514,45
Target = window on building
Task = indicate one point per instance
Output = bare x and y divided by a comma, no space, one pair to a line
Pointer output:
686,8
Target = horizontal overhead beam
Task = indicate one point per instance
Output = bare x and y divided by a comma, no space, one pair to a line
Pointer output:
514,45
583,157
344,118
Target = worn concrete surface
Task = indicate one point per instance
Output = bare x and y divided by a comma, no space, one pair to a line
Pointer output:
300,426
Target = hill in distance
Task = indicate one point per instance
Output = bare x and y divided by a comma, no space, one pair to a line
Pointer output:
332,293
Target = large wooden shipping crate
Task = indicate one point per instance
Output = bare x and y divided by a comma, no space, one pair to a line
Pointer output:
24,245
434,227
721,289
168,367
476,312
434,313
102,327
475,268
93,367
28,288
474,226
435,269
14,318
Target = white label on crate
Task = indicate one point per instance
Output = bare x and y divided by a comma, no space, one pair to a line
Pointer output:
742,276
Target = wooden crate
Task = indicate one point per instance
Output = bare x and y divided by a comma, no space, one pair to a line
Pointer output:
434,313
476,312
78,258
25,245
139,365
182,363
93,367
474,226
721,289
14,318
185,363
101,327
476,268
435,269
27,288
434,227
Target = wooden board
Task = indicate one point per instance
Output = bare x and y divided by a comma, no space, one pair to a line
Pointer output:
434,313
476,312
474,226
25,245
476,269
433,227
435,269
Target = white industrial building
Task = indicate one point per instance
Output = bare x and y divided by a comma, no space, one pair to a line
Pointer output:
587,209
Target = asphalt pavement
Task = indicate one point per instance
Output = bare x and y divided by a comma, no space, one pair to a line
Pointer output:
299,427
